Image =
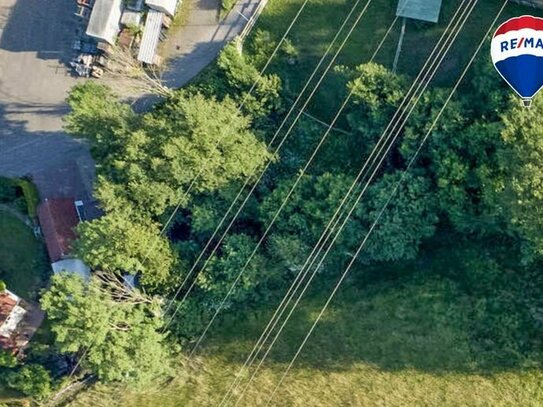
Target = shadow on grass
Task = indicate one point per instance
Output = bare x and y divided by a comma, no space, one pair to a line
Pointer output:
427,321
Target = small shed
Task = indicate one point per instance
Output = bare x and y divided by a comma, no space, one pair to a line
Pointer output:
166,6
424,10
74,266
150,37
104,20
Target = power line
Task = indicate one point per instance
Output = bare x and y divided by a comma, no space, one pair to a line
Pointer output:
255,184
387,203
354,184
264,235
242,104
202,169
269,226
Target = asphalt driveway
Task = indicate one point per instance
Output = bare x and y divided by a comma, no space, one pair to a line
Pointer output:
35,43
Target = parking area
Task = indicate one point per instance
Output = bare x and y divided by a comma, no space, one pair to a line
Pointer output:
36,39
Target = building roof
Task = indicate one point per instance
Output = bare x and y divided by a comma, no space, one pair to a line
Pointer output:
8,301
58,219
19,321
151,35
131,17
104,20
74,266
424,10
166,6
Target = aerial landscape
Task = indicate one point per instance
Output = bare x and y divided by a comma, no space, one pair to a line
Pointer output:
271,203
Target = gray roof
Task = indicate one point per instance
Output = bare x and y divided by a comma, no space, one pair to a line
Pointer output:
104,20
74,266
425,10
150,37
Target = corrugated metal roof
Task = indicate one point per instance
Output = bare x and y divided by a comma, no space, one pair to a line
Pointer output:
425,10
151,35
166,6
104,20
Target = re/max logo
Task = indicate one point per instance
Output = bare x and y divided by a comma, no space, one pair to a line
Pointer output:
524,42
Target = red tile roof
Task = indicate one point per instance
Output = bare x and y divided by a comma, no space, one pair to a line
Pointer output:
7,303
58,219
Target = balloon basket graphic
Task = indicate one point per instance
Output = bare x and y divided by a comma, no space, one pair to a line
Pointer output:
527,102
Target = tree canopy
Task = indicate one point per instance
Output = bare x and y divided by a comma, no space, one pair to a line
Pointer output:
120,339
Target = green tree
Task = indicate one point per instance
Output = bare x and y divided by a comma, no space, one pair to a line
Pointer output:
223,268
121,338
310,206
205,138
97,115
410,217
242,75
118,243
32,380
516,188
377,92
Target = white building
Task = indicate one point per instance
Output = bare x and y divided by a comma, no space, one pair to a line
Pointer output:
104,20
150,38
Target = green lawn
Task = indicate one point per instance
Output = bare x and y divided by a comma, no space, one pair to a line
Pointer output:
322,18
401,343
23,262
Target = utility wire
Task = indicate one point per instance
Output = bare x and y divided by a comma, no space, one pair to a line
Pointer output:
255,184
360,174
242,104
387,203
272,222
202,169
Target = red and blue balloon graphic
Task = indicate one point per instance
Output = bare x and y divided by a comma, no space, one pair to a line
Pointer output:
517,54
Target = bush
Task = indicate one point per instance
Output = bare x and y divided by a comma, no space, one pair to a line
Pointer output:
31,380
20,192
7,359
30,193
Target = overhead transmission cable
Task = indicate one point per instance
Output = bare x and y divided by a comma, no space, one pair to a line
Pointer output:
241,105
387,203
271,223
284,138
203,167
260,343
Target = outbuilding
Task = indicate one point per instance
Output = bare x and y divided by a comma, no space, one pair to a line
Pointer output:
104,20
150,38
423,10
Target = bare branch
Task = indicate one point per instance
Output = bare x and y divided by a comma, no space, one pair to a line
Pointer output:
129,77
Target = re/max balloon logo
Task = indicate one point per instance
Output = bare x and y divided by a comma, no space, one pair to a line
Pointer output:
515,43
517,54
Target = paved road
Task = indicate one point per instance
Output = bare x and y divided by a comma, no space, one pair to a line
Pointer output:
35,43
193,46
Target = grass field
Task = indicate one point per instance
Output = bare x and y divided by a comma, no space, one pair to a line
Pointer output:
321,19
23,263
400,343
